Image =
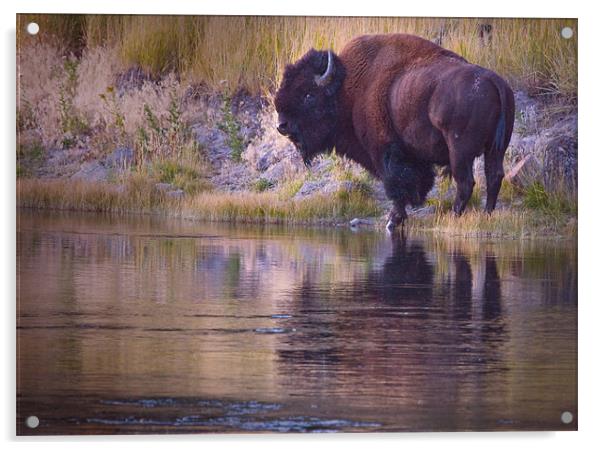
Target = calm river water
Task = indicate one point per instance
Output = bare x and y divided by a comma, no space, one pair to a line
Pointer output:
148,325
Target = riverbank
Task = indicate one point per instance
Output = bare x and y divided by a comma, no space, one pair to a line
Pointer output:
355,209
99,130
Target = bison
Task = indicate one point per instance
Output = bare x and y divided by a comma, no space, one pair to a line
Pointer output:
398,104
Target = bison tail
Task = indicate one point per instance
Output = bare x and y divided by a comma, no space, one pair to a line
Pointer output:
500,131
505,123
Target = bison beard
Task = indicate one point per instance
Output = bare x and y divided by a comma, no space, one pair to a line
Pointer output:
398,104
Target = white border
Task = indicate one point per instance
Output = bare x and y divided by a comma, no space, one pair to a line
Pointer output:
590,165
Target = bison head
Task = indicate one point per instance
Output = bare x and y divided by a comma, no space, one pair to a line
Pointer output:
306,102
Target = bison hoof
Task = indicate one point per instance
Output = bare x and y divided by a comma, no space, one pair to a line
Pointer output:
395,219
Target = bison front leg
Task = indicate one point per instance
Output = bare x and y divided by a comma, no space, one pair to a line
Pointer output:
406,182
397,217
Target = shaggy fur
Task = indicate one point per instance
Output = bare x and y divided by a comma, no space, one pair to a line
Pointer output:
406,181
397,105
313,108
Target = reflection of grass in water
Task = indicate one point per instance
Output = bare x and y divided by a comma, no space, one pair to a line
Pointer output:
514,257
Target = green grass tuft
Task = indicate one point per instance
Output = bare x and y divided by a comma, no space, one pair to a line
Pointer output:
262,185
554,203
231,127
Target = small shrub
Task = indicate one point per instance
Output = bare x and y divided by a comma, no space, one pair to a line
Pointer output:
72,123
117,125
33,151
262,185
231,127
185,177
536,197
289,188
29,157
164,136
443,201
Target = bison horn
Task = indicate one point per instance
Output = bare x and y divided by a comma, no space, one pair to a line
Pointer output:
324,79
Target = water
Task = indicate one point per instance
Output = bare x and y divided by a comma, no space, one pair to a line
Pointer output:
130,325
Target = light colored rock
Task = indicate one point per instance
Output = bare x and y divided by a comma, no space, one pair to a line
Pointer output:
423,211
265,161
165,187
214,141
336,186
282,170
178,193
120,158
233,177
361,222
309,188
560,163
91,171
321,166
515,170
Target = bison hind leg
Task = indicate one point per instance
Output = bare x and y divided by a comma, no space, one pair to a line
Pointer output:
494,173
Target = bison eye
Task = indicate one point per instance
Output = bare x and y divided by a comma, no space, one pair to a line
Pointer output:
309,99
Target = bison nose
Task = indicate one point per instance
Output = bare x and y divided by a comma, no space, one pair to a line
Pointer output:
283,128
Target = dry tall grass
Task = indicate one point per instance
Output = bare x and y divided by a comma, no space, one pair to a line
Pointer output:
140,195
502,223
253,51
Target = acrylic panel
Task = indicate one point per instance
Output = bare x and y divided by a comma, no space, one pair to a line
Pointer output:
221,230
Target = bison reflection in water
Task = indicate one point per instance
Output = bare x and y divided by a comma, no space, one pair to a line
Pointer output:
398,104
379,326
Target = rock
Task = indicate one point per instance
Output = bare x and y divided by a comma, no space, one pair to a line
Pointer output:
423,211
165,187
515,170
523,103
337,186
233,177
322,166
91,171
265,161
121,158
131,79
560,163
309,188
170,190
178,193
276,172
323,186
246,109
361,222
215,141
553,151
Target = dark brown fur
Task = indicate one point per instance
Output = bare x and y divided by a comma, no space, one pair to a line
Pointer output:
397,105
